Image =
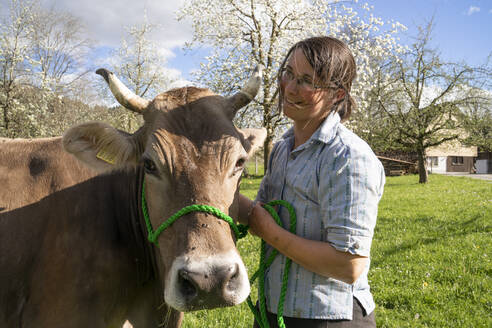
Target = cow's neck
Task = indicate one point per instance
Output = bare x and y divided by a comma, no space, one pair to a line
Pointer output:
133,229
130,222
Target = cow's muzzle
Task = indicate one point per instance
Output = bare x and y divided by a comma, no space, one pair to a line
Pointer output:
212,289
206,283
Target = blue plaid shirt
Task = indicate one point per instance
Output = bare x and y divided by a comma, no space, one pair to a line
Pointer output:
334,181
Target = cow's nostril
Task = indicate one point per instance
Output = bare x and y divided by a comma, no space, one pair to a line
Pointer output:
232,278
186,285
235,272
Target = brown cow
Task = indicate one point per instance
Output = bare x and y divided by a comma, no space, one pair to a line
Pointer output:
31,169
80,258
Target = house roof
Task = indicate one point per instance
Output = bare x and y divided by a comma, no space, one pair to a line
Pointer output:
452,150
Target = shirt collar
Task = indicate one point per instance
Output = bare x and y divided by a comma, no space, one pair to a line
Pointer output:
325,132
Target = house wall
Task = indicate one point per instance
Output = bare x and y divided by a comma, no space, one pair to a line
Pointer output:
440,167
485,155
484,166
467,165
484,162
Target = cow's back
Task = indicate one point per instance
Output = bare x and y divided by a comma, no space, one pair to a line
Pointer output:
31,169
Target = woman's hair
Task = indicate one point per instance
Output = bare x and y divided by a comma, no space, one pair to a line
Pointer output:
333,64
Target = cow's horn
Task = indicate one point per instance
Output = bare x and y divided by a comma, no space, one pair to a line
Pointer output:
247,93
125,97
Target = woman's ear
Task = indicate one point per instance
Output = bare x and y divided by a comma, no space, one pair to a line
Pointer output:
339,95
337,98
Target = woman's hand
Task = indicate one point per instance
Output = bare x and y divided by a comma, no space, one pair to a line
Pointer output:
260,221
254,215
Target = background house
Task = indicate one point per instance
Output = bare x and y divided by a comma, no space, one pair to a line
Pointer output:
484,162
451,157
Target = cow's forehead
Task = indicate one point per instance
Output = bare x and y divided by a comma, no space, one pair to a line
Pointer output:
195,113
192,118
182,96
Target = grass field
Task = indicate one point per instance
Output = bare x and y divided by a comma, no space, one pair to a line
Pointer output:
431,256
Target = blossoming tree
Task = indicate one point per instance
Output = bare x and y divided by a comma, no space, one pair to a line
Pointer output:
244,33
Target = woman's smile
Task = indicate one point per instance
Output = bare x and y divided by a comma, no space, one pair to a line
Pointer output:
299,105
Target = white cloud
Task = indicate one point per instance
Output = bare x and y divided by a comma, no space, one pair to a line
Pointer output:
106,19
181,83
166,53
472,10
429,93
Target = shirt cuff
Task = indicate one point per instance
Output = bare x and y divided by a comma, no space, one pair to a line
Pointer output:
357,245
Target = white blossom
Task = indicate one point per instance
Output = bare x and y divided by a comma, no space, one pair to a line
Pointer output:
242,34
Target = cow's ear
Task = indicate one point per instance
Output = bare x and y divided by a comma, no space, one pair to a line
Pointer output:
100,146
253,139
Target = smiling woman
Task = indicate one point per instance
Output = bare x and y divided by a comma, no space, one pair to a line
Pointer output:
334,181
317,87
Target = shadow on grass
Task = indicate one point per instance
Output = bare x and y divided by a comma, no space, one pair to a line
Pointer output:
396,183
436,232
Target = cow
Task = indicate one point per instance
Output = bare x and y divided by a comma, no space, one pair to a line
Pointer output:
80,256
31,169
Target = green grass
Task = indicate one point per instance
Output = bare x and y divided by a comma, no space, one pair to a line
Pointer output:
251,169
431,256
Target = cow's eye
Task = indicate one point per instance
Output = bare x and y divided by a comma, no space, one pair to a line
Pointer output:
149,166
239,165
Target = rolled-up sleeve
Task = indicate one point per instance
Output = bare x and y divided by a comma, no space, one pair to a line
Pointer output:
350,188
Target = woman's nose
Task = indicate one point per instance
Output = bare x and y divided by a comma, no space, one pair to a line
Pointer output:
291,86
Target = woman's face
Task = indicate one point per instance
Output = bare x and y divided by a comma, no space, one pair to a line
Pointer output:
304,101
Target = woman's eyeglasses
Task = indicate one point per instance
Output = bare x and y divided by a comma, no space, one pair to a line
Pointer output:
305,82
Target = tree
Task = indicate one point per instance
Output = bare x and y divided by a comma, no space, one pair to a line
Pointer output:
424,98
477,121
15,32
60,49
141,66
246,33
40,55
371,123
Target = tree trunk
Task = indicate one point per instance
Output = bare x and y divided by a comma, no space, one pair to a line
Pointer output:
267,148
256,164
5,118
6,107
422,165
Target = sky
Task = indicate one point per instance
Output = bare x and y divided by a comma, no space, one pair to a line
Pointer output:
462,30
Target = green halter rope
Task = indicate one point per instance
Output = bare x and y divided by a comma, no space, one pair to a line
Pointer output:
261,317
240,231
